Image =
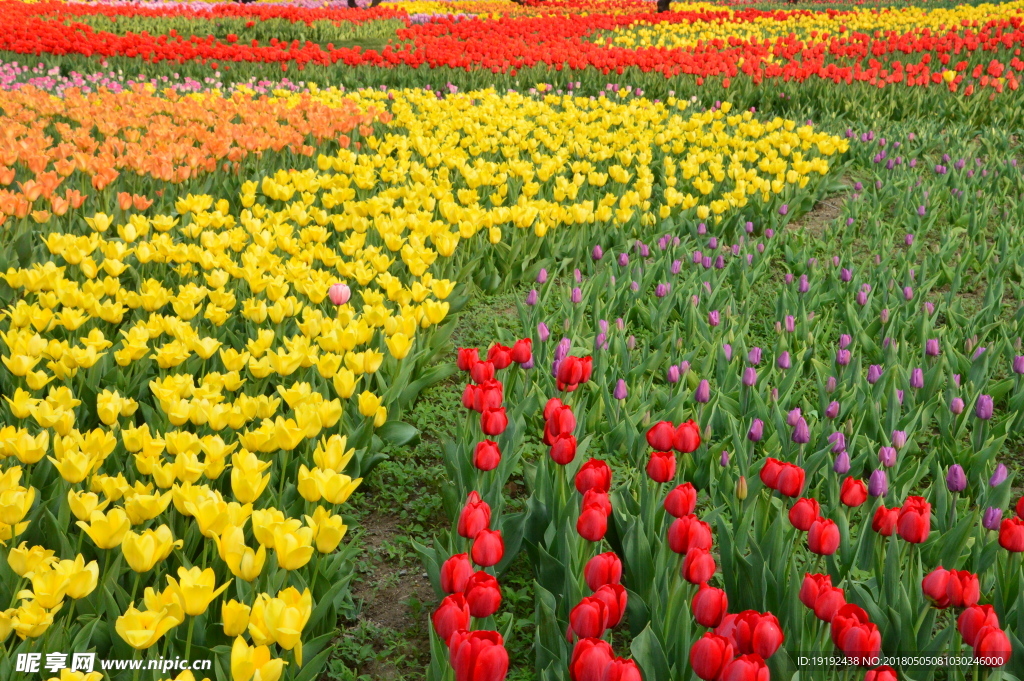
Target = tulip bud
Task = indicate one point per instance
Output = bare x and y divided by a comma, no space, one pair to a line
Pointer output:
957,406
899,439
931,347
1018,364
878,483
673,375
749,377
832,411
339,294
756,431
620,392
784,360
741,488
887,456
992,519
842,463
830,384
983,407
597,253
531,297
998,476
956,479
542,332
801,433
703,392
542,276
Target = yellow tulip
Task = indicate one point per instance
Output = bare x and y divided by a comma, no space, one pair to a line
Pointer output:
27,560
15,504
236,618
243,562
143,551
106,530
328,530
6,623
82,577
31,620
248,662
48,588
293,548
196,589
368,403
142,628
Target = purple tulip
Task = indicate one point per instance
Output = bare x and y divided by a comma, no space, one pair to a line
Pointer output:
874,373
677,266
916,378
956,479
577,275
845,340
703,392
998,476
719,263
887,456
706,262
878,483
784,209
661,290
754,356
698,257
562,349
602,325
714,318
634,286
804,285
792,417
788,278
597,253
702,229
756,431
727,349
724,459
908,240
620,323
838,441
862,298
749,376
801,433
601,342
957,406
884,315
842,357
542,276
929,307
830,384
978,353
898,439
542,332
790,323
931,347
992,519
620,392
908,293
713,243
845,275
983,407
1018,364
528,364
623,259
833,410
899,396
577,295
783,361
531,297
631,342
684,366
673,374
842,463
921,211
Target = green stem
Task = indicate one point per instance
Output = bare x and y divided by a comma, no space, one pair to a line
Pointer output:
188,640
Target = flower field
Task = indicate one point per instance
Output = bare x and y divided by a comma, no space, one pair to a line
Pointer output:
479,340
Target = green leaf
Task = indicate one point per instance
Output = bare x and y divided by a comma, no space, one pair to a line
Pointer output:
398,433
649,654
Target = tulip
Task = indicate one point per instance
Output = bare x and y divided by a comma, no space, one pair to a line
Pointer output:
811,587
898,439
451,615
474,517
703,392
522,351
830,599
688,532
914,520
916,378
142,628
784,361
590,657
931,347
887,456
832,411
884,520
339,294
842,463
594,474
823,537
488,548
956,479
531,297
254,661
983,407
478,656
883,673
962,588
483,594
878,483
801,433
661,436
957,406
756,431
681,501
874,373
455,573
934,586
862,642
998,476
992,519
1011,535
673,374
687,437
467,357
709,655
790,480
493,421
621,669
803,513
709,606
746,667
615,600
698,566
563,449
587,619
1018,364
973,619
482,371
604,568
196,589
770,471
992,647
486,455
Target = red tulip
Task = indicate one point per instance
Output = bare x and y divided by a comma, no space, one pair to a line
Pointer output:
493,421
862,643
563,449
597,499
604,568
621,669
828,602
811,587
661,467
709,654
854,492
934,585
687,437
478,656
823,537
467,357
914,521
590,656
803,513
453,614
592,524
550,406
681,501
790,481
752,632
885,673
587,619
481,371
884,521
963,588
767,636
594,474
992,647
469,395
561,422
500,356
845,617
661,435
975,618
709,606
615,600
698,566
475,516
745,668
487,396
689,532
770,472
483,594
571,373
522,350
1011,534
1020,508
588,368
488,548
486,455
455,573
